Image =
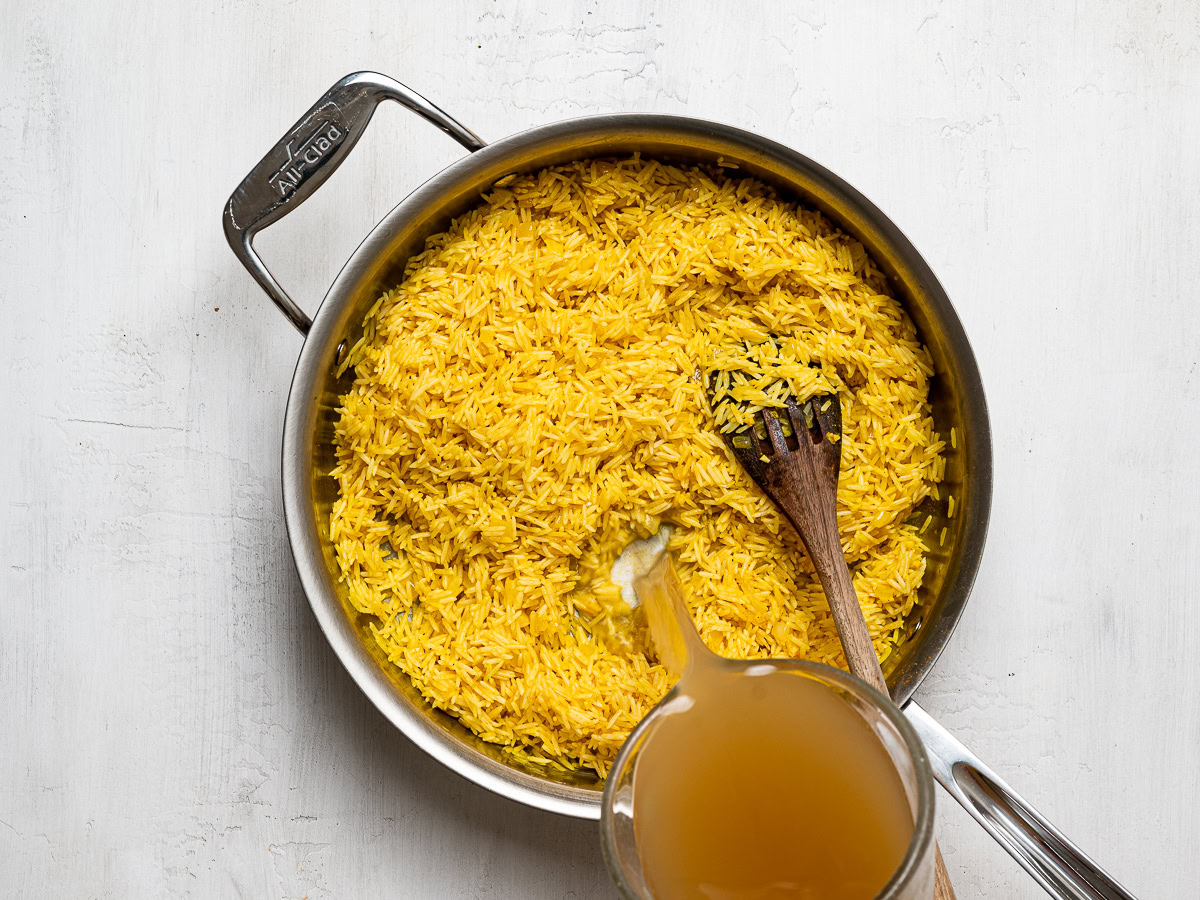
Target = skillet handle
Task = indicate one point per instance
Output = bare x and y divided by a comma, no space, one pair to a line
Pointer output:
306,156
1055,863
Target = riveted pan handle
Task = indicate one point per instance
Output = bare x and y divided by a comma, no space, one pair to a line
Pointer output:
306,156
1055,863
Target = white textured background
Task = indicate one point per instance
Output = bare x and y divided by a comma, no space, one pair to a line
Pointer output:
171,721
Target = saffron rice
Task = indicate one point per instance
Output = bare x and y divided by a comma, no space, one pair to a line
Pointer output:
527,401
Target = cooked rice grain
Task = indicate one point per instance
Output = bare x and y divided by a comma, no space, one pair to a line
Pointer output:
525,403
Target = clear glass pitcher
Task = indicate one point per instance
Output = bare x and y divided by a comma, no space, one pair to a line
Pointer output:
913,879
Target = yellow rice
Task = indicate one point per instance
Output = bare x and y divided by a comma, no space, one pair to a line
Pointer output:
526,402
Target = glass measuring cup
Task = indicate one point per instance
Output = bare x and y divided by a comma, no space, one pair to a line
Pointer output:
681,650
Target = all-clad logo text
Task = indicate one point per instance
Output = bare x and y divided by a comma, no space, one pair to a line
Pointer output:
306,153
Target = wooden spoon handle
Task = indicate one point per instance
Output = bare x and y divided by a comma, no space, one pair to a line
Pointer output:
830,563
942,888
864,664
806,491
803,482
847,614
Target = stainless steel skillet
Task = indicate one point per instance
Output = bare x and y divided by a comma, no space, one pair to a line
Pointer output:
313,149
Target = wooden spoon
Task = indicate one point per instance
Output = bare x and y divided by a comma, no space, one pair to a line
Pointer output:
799,472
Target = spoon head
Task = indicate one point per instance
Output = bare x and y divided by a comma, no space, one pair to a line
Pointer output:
812,430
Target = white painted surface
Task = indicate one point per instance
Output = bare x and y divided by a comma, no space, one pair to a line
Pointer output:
171,721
